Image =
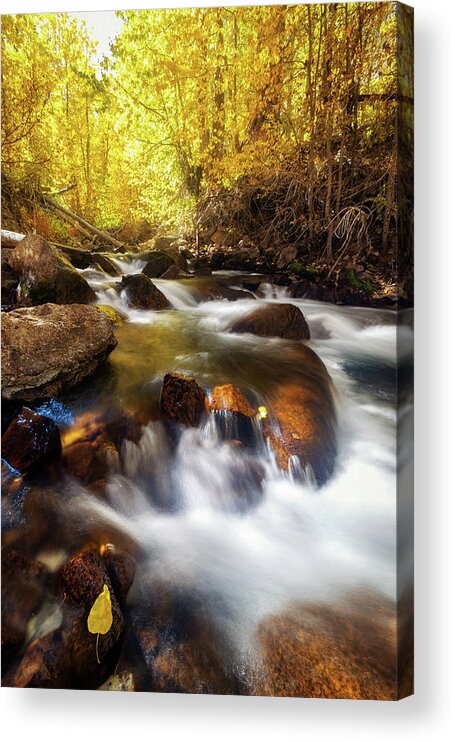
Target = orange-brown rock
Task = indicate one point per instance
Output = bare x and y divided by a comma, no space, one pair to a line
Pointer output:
182,399
317,651
229,397
300,416
191,667
274,320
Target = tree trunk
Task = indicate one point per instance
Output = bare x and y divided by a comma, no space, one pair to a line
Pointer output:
82,222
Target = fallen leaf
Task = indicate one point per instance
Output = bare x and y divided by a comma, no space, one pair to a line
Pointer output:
100,617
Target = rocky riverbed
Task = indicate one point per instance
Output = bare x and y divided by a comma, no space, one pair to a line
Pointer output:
218,450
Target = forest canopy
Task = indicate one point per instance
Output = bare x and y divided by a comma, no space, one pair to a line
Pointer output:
294,106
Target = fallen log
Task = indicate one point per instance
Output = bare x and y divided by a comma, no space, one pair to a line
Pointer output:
49,201
84,232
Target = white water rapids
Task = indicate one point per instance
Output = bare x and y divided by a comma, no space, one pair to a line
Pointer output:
295,542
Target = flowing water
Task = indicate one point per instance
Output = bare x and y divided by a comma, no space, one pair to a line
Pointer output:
205,525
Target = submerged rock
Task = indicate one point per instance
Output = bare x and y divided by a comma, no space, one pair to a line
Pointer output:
30,439
142,293
315,651
274,320
46,276
23,591
49,348
72,657
182,399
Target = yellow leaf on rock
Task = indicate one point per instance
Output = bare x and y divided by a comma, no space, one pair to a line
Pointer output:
100,617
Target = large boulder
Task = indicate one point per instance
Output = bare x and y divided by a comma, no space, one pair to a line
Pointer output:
30,440
46,276
299,417
142,293
157,264
49,348
182,399
274,320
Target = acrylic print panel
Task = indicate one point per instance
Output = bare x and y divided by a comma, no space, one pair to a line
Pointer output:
207,350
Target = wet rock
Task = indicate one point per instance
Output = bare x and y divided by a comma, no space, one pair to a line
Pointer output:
68,657
142,293
49,348
281,280
46,276
81,581
236,427
30,440
121,567
89,462
202,270
174,273
286,256
91,446
315,651
229,397
114,315
157,264
79,257
105,264
177,257
182,399
179,647
309,290
23,591
274,320
191,667
300,417
251,285
217,291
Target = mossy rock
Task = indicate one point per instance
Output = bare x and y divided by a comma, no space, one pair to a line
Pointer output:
114,315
